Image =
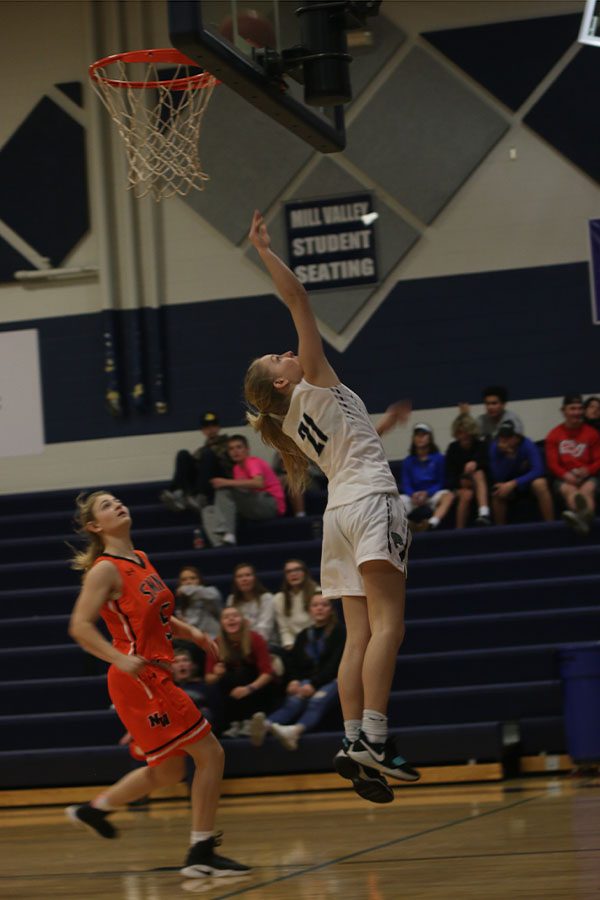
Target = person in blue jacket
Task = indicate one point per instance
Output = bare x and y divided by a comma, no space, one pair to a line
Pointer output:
517,468
423,481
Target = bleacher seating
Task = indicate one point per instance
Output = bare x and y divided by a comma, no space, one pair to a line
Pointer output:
487,609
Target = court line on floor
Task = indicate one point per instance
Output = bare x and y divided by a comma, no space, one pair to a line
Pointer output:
407,837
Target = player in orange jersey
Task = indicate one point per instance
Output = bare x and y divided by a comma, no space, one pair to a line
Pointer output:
121,586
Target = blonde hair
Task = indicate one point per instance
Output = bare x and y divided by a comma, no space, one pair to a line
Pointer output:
83,560
270,407
465,423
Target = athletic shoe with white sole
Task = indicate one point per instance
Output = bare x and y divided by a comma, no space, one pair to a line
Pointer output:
383,757
287,735
576,521
258,729
94,819
202,861
367,782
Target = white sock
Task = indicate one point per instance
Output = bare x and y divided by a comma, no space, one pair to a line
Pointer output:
196,836
484,510
300,515
351,729
375,726
100,802
434,521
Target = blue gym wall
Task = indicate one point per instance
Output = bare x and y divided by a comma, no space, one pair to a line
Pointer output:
436,340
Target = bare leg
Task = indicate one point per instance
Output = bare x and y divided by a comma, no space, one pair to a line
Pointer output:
465,498
142,782
206,787
588,489
568,492
499,509
350,673
385,587
444,505
540,488
481,488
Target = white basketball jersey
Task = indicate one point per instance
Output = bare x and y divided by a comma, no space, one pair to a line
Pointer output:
332,427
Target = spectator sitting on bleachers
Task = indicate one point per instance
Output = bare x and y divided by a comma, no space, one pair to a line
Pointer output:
254,601
573,457
424,480
242,675
517,468
197,603
591,412
190,486
312,673
292,602
254,493
496,413
466,470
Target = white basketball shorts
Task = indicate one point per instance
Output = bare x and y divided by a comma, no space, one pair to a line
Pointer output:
374,527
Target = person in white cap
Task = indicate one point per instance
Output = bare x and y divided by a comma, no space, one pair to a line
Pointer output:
424,494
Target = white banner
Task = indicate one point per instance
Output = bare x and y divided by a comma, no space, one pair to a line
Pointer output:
21,415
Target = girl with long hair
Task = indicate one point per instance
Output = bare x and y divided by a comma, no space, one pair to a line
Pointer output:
292,602
254,601
242,674
121,586
300,408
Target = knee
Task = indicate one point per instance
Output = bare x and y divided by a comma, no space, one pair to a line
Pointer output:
171,771
392,632
539,486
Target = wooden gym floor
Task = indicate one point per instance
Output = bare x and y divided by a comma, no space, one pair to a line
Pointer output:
528,838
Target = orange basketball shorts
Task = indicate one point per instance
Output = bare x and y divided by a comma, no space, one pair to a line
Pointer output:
159,716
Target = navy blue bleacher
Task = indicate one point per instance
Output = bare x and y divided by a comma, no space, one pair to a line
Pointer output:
486,610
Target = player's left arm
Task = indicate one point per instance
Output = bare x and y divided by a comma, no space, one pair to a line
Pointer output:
187,632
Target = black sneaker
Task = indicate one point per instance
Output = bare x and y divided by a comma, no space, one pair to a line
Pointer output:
94,819
383,757
202,861
367,783
483,520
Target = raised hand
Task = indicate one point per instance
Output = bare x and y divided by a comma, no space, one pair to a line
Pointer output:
258,234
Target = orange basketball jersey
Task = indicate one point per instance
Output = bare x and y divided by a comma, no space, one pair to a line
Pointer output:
160,717
139,620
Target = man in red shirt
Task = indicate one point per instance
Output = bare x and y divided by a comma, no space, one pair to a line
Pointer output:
573,457
254,492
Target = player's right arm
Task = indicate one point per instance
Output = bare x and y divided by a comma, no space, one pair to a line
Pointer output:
100,583
310,345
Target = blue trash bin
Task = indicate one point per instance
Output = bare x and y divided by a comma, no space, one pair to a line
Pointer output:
580,673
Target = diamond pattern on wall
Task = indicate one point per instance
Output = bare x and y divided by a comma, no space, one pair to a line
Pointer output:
508,58
44,182
567,114
422,134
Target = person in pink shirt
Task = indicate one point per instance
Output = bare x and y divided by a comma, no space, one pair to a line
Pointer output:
573,458
254,492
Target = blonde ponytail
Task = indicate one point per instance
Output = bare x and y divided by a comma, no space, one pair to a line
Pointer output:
84,559
270,407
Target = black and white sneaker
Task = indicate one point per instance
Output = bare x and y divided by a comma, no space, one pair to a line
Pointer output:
576,521
367,782
383,757
202,861
94,819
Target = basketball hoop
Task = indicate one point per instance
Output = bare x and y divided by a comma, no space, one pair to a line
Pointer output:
159,119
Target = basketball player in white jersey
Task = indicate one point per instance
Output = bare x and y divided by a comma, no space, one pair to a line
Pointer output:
302,410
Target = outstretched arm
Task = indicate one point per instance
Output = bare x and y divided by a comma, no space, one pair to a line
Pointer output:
310,346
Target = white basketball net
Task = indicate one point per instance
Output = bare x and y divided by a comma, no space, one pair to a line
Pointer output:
160,126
